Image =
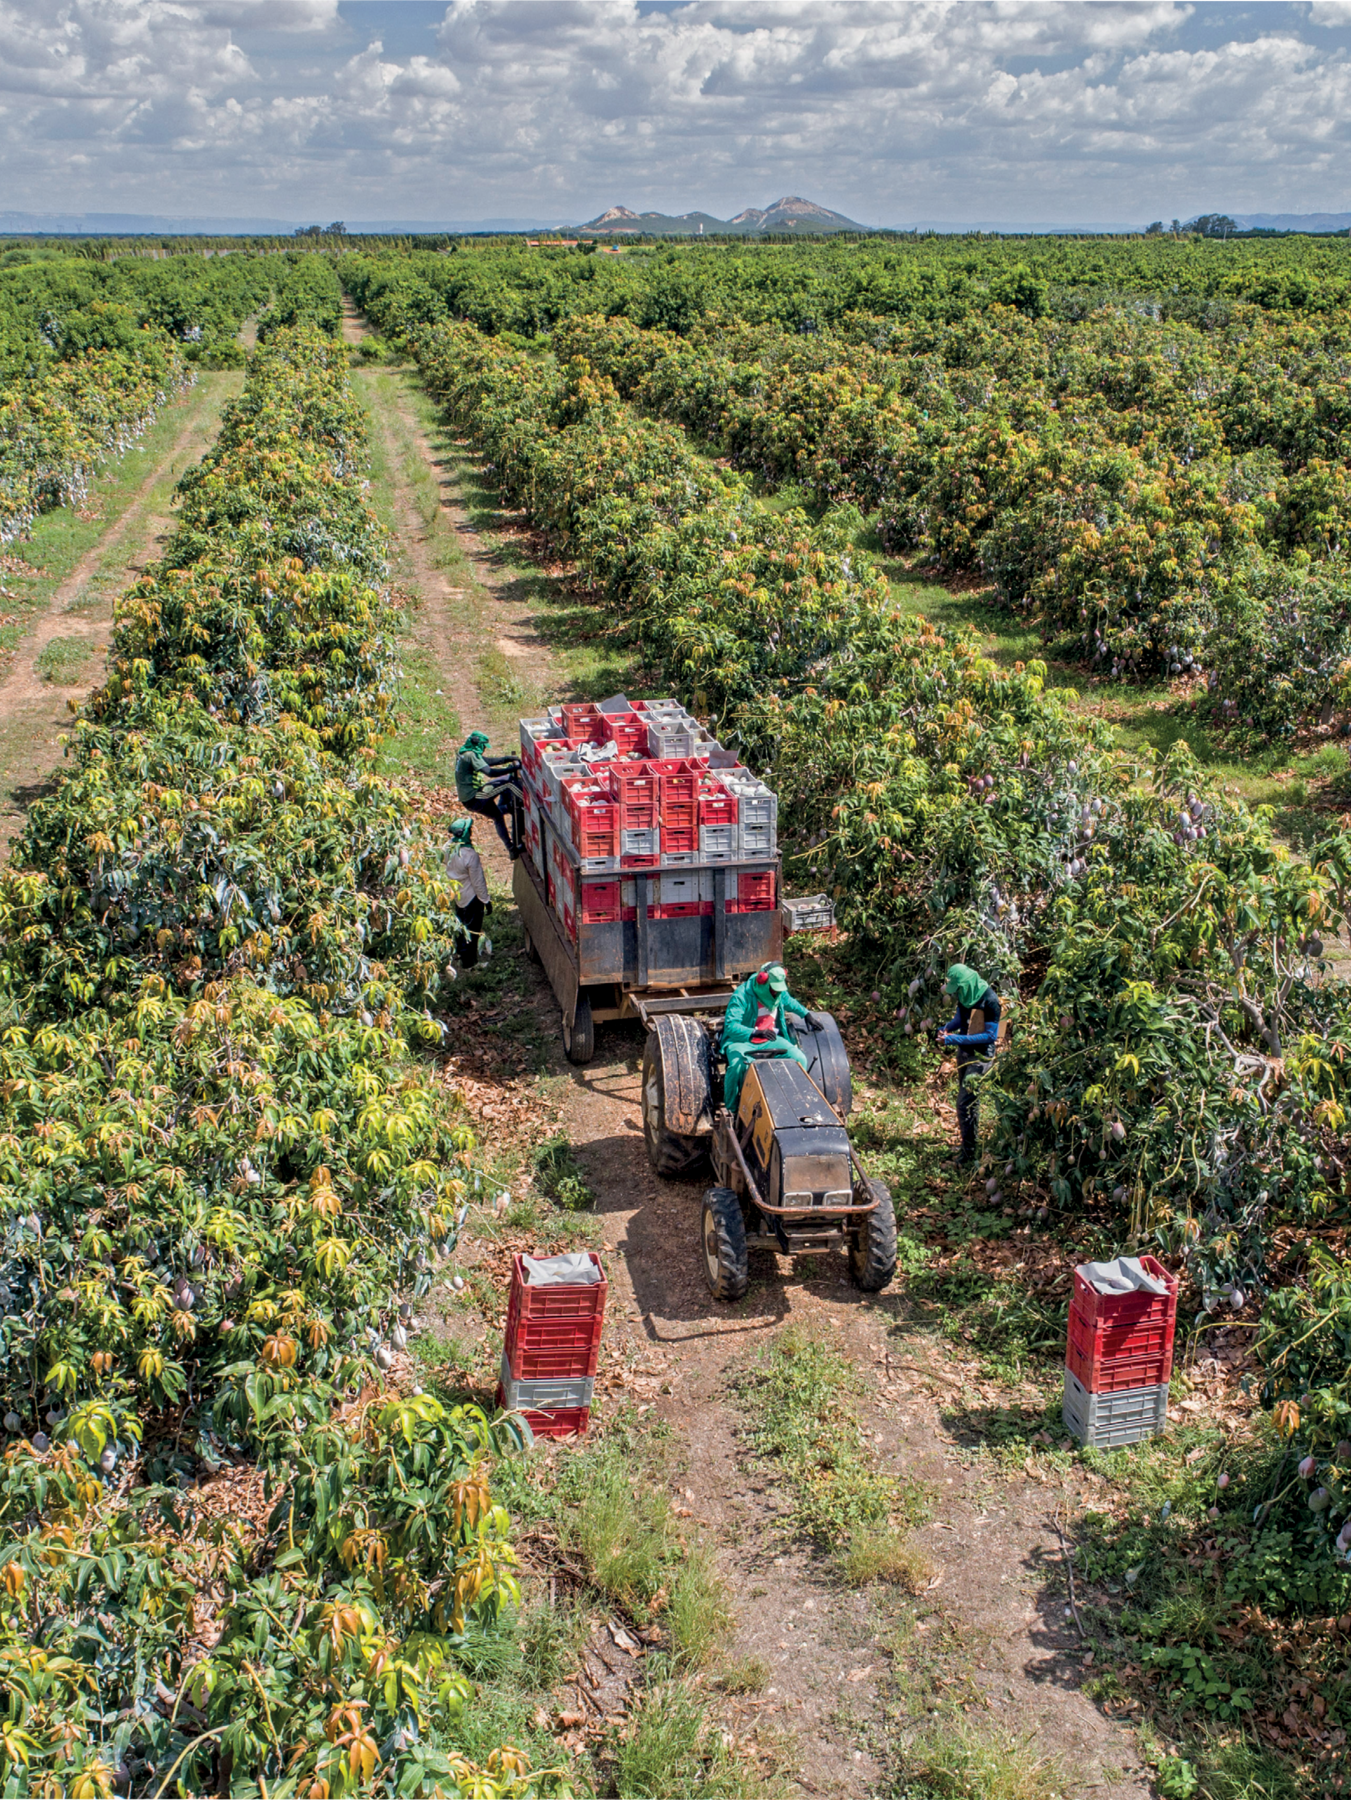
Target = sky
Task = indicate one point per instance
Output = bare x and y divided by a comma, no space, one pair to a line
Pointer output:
313,110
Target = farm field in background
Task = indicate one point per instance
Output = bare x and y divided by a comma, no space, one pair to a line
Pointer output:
1018,569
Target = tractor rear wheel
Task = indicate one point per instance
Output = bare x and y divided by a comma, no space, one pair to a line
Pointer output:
872,1256
675,1089
726,1260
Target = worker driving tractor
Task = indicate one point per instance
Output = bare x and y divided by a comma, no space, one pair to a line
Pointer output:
484,784
754,1023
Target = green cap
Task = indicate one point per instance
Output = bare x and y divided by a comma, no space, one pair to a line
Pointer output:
774,978
462,830
477,740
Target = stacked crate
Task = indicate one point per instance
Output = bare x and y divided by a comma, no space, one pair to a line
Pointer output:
550,1350
619,788
1118,1360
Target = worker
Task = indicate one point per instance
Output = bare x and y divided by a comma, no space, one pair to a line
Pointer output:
483,784
754,1023
973,1034
464,868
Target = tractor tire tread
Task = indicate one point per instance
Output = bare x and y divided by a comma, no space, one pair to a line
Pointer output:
723,1226
873,1264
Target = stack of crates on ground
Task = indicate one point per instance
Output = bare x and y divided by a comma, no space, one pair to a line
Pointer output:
622,787
555,1313
1120,1352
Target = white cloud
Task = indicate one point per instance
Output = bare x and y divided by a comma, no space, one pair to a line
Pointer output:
267,15
886,109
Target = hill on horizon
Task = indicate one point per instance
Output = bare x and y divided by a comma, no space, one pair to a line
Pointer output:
790,214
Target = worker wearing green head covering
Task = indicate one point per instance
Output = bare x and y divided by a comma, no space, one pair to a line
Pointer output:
754,1025
483,783
473,902
972,1037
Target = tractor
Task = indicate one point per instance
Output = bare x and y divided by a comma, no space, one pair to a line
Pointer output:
785,1175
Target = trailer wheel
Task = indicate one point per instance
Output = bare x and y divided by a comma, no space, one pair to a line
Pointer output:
726,1261
872,1255
579,1038
675,1083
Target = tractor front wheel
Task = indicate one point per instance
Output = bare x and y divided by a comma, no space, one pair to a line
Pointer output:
726,1259
872,1255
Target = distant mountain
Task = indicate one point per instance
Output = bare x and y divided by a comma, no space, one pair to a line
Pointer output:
791,214
1293,221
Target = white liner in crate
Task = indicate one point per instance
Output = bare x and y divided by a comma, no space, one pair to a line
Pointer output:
544,1393
1108,1421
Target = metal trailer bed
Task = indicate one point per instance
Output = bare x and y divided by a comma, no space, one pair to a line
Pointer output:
643,967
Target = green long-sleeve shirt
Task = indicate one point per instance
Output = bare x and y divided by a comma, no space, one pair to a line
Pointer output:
471,772
743,1009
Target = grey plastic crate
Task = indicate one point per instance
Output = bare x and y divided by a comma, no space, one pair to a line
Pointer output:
814,912
644,840
544,1394
1106,1421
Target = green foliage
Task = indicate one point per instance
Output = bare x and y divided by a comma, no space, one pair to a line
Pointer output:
558,1175
219,1171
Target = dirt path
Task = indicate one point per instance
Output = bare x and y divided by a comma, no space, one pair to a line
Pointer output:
841,1683
60,655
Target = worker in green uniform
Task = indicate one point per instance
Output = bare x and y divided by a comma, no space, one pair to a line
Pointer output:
483,784
754,1022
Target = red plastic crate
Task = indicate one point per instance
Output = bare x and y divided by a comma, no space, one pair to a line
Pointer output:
636,796
543,1362
1130,1356
600,904
717,807
544,1347
584,720
628,861
625,730
678,840
754,892
1110,1312
529,1306
678,909
567,1421
679,788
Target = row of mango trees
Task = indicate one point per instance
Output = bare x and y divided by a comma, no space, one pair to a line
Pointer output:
223,1176
1181,1064
1166,497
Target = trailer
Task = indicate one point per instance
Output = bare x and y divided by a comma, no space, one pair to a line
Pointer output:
649,880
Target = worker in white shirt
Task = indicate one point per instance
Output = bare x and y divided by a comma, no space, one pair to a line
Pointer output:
473,905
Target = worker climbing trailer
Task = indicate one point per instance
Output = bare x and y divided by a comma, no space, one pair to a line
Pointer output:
650,878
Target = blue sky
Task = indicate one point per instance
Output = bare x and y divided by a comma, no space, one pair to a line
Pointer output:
400,109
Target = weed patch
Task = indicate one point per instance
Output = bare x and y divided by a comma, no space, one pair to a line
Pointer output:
559,1177
957,1760
884,1553
64,661
671,1748
800,1406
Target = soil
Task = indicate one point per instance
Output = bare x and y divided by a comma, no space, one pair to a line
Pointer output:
34,711
996,1597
